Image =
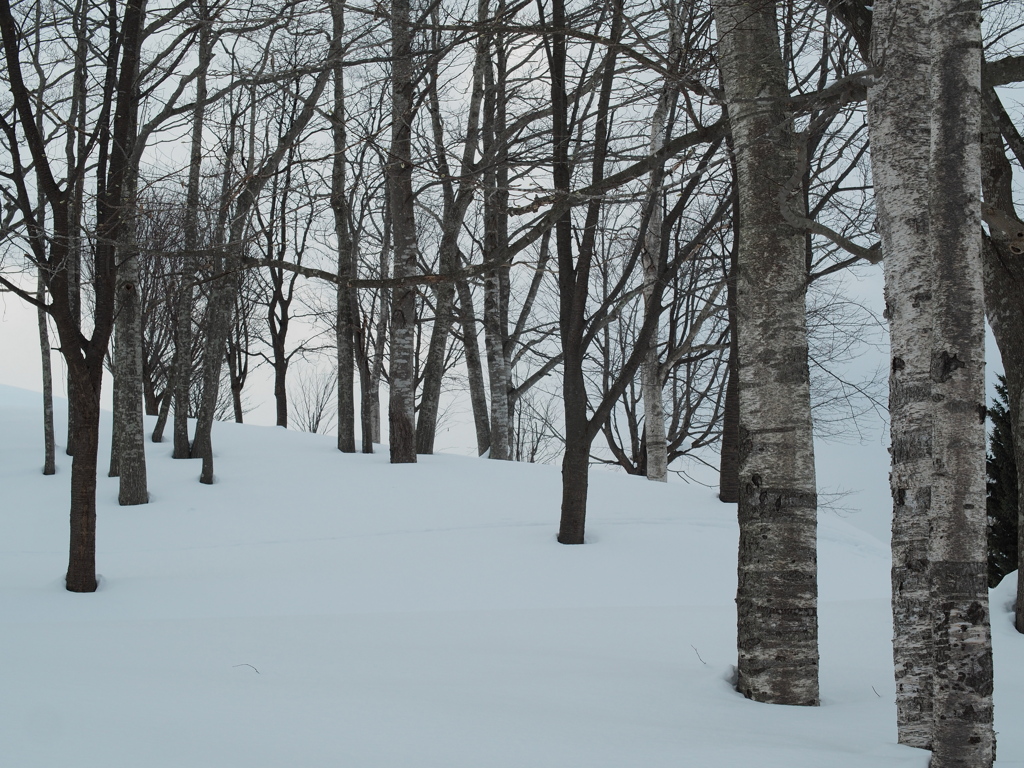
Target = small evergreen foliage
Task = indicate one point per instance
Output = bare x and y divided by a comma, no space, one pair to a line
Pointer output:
1002,491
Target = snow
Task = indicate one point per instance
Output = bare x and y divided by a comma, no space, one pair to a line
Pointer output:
317,609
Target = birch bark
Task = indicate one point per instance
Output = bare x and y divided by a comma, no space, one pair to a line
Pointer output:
962,731
900,132
650,370
777,590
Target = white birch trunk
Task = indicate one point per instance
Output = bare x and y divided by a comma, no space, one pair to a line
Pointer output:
776,599
899,132
962,731
650,369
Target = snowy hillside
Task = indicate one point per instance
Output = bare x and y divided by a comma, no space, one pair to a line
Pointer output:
313,609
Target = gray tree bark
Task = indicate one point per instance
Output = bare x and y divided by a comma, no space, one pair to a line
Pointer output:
401,404
650,371
962,731
900,133
129,439
777,593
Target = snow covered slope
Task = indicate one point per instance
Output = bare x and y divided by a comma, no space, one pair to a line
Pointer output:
314,609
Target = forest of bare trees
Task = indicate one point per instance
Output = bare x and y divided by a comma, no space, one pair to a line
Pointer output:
614,233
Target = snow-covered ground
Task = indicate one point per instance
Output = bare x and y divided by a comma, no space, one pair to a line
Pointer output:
314,609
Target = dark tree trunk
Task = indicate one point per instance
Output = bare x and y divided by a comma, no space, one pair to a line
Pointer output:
474,368
81,575
729,467
50,449
576,461
456,204
280,390
345,331
161,416
115,238
402,378
180,380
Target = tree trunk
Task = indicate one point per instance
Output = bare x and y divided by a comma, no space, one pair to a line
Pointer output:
656,444
49,460
116,240
899,130
77,137
402,379
81,575
576,460
776,599
129,427
280,387
963,734
474,368
345,299
218,327
181,376
162,413
574,273
729,462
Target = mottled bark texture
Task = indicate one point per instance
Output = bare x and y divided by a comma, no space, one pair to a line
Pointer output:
1004,297
129,429
115,240
495,249
899,129
962,732
777,592
50,450
402,373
